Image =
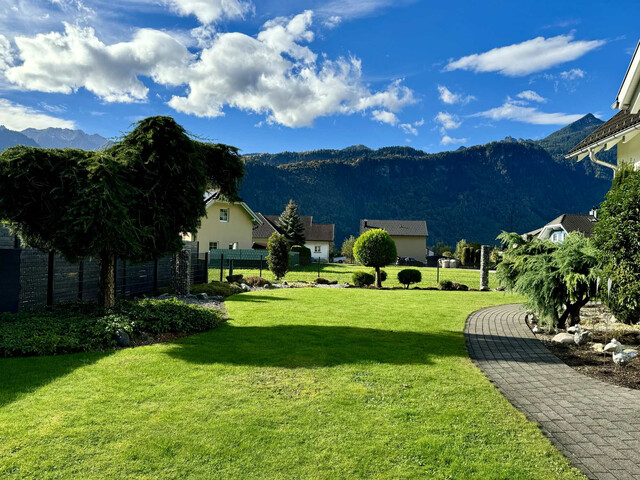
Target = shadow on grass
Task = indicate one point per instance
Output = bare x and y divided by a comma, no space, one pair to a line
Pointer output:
257,298
308,346
24,375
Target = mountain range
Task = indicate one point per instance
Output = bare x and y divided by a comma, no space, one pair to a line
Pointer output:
51,138
472,193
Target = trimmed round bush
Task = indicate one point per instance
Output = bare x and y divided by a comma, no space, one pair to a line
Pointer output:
257,281
408,276
446,285
321,281
362,279
235,278
375,248
383,275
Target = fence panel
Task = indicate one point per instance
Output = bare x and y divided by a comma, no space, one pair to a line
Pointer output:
9,280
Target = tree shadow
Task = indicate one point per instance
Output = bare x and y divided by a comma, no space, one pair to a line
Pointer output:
24,375
310,346
256,298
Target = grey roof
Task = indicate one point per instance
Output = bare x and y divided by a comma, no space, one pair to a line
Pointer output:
575,223
313,232
398,228
619,122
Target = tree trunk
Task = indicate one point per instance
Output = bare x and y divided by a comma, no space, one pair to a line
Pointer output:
571,315
107,280
378,280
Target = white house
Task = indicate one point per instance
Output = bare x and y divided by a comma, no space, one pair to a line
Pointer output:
319,236
623,128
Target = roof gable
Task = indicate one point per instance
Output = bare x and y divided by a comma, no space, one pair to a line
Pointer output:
313,232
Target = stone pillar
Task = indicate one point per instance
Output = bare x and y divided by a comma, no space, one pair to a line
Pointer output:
180,266
485,254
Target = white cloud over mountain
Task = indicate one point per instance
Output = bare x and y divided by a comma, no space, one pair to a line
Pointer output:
512,111
274,73
530,56
18,117
447,140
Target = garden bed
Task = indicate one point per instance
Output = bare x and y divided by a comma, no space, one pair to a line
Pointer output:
589,359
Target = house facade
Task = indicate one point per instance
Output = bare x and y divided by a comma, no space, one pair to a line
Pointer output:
623,129
228,225
558,228
319,237
410,236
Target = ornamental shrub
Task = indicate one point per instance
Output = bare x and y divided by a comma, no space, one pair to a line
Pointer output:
408,276
446,285
216,289
375,248
322,281
383,275
257,282
235,278
278,258
362,279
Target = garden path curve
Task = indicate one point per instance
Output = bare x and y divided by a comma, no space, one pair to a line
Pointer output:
595,424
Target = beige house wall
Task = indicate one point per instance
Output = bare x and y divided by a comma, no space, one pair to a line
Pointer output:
629,152
237,230
415,247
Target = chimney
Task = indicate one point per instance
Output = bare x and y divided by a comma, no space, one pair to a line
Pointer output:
594,212
365,223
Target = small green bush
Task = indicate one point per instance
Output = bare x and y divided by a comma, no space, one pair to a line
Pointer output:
408,276
322,281
81,327
446,285
383,275
278,258
257,282
362,279
216,289
235,278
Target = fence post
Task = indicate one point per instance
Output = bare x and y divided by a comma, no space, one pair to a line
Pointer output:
16,241
50,278
261,260
230,266
80,280
438,271
206,267
155,276
485,253
318,267
221,265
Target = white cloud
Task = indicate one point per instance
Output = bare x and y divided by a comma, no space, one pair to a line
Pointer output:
333,21
572,74
385,116
511,111
209,11
447,140
447,96
359,8
19,117
275,75
527,57
63,63
531,96
409,129
448,121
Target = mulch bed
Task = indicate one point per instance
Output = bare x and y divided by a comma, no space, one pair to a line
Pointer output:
595,364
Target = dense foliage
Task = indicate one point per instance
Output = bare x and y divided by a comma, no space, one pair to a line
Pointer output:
291,225
278,258
363,279
79,327
558,279
617,235
408,276
305,254
375,248
255,281
132,200
347,247
475,192
216,289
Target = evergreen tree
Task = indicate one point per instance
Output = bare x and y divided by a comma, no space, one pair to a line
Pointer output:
278,258
291,225
347,247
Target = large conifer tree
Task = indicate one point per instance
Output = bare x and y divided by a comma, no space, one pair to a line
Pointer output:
291,224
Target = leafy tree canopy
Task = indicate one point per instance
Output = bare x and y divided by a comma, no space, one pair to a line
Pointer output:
375,248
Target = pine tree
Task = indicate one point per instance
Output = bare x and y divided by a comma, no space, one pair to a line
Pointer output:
291,225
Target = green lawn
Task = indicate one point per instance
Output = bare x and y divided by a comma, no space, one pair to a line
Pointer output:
343,272
300,383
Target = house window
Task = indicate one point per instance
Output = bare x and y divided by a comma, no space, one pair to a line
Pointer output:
213,245
316,249
233,246
224,214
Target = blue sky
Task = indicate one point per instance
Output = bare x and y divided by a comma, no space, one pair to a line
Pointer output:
270,75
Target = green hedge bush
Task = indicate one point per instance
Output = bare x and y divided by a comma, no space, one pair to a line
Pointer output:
408,276
257,281
81,327
362,279
216,289
383,275
305,254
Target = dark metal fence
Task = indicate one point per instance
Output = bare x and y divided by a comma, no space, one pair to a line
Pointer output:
32,278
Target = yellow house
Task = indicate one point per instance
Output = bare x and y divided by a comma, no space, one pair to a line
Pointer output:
410,236
228,225
622,129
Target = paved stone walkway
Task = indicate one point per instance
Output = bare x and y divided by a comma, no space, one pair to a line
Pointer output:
595,424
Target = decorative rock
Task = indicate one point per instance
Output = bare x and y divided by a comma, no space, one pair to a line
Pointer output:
574,329
581,336
563,338
202,296
597,347
501,288
245,287
122,338
537,329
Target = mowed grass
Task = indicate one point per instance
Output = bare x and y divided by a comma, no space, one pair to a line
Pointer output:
300,383
343,273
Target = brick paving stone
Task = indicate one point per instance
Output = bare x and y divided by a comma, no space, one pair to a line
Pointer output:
595,424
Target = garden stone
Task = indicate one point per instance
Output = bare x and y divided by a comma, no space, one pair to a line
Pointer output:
537,329
245,287
597,347
122,338
563,338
